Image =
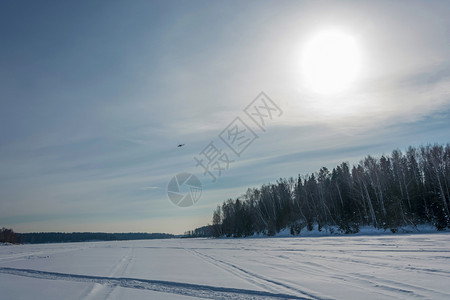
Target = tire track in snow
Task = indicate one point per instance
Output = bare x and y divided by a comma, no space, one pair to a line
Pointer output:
261,278
186,289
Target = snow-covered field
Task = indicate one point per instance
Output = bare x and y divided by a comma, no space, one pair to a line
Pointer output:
345,267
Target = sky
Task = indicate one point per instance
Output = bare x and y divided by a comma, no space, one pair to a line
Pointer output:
95,97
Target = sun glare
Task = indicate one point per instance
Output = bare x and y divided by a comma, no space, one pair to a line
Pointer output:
330,62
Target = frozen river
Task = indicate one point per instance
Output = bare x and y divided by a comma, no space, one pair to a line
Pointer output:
347,267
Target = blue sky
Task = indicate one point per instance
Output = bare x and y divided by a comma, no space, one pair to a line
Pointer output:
96,95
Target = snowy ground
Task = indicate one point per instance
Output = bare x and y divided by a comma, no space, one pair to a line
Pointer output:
346,267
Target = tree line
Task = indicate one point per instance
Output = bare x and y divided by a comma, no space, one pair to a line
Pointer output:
67,237
393,190
204,231
9,236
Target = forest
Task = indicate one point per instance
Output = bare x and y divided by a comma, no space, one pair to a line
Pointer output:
400,189
9,236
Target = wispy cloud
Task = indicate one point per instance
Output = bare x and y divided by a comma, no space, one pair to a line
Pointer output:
91,115
149,188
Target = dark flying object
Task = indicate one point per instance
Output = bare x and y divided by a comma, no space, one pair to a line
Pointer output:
180,145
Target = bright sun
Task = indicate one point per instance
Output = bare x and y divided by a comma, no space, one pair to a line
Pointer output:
330,62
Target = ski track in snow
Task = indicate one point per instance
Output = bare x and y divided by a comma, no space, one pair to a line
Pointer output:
119,269
375,267
253,277
39,254
377,281
199,291
362,280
